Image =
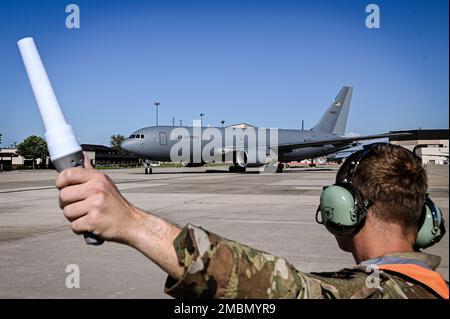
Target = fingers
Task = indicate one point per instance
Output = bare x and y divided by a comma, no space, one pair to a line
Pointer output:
87,162
75,175
76,210
92,203
74,193
84,215
81,225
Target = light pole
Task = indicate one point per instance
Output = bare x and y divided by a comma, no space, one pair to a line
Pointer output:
156,105
201,119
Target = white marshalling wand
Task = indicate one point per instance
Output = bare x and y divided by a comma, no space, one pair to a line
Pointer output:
64,149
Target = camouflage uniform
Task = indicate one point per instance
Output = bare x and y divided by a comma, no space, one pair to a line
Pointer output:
219,268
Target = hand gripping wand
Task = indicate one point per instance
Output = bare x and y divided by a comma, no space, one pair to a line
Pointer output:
64,149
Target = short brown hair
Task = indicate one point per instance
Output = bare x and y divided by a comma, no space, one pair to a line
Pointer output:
393,179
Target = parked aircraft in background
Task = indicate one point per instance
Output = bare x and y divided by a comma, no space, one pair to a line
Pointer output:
327,137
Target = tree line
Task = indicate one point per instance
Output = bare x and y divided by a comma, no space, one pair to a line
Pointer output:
35,147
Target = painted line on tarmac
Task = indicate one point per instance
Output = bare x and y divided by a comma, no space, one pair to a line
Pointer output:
28,189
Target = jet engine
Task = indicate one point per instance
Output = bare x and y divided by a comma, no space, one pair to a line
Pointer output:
185,164
322,160
241,159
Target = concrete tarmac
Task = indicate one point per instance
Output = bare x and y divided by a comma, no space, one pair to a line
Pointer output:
271,212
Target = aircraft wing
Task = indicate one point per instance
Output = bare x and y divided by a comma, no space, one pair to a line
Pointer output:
335,141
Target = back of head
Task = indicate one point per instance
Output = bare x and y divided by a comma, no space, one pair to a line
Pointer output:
393,179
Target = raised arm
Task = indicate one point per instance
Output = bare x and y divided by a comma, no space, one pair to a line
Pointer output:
92,203
199,263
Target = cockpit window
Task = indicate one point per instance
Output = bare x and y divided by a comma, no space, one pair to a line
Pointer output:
132,136
142,135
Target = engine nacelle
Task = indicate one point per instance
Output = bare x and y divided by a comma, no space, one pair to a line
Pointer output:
322,160
192,164
241,158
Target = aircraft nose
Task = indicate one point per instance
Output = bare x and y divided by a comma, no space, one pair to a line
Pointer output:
127,145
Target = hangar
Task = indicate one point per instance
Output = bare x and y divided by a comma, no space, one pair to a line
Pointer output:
430,145
105,156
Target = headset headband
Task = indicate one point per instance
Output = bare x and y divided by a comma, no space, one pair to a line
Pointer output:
354,164
361,154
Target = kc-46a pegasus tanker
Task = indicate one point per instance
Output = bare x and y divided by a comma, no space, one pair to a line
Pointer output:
249,146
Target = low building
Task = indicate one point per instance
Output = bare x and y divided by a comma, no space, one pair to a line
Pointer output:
104,156
430,145
10,159
100,156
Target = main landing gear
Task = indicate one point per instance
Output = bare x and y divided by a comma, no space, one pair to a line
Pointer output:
236,169
280,168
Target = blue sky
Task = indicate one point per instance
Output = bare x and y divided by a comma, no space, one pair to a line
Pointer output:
268,63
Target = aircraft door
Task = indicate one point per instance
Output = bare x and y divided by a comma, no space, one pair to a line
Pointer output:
162,138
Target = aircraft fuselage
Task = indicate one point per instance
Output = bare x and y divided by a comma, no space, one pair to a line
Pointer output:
155,143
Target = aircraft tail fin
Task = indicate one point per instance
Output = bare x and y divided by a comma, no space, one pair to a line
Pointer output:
334,120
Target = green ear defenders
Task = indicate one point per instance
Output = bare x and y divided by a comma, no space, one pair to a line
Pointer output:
343,209
431,225
342,206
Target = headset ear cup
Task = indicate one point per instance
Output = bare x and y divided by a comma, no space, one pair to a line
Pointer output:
338,211
430,228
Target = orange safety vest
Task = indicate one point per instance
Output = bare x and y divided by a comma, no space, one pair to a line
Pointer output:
427,277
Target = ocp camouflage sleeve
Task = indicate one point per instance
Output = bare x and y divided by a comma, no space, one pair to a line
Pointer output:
215,267
219,268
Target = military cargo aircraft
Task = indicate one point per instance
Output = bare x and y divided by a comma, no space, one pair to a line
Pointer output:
156,143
